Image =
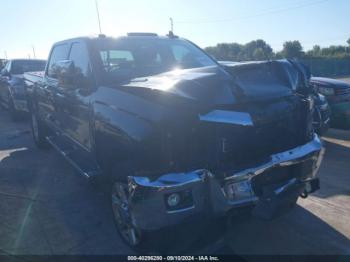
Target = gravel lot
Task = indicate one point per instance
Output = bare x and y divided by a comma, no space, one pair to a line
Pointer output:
46,208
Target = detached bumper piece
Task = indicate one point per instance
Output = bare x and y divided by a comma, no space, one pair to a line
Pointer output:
277,201
271,186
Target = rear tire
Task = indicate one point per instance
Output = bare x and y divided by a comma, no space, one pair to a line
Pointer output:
39,132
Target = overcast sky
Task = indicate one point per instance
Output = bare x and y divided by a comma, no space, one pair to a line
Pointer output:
27,23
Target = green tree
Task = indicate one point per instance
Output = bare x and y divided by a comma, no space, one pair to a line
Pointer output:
334,51
254,50
257,50
292,49
225,51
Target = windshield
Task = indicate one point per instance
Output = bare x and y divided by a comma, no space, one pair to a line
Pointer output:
137,57
21,66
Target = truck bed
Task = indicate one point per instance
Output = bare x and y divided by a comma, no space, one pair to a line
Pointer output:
33,77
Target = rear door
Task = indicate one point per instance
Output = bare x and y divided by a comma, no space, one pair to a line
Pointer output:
74,99
47,107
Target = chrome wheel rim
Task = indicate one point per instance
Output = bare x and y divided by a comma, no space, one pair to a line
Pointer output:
122,214
35,127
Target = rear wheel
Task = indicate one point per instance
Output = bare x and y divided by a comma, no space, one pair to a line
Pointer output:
39,132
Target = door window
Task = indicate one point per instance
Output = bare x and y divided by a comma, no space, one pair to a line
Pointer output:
59,53
80,56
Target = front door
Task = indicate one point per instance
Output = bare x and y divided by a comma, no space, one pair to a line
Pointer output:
47,107
74,99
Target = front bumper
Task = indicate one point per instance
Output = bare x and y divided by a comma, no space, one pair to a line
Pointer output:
208,195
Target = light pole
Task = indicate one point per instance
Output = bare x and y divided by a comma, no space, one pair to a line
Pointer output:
171,24
98,17
33,51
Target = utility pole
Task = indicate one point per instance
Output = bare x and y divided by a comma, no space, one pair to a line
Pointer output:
33,51
98,17
171,24
5,54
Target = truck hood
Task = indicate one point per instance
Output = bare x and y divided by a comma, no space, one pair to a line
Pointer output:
227,84
267,79
208,85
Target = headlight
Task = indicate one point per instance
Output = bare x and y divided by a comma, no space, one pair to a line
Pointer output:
239,190
327,91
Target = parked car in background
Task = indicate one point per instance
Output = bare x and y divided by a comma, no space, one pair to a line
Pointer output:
173,135
2,63
337,94
12,88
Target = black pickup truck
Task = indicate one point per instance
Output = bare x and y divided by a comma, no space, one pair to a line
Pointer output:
175,135
12,88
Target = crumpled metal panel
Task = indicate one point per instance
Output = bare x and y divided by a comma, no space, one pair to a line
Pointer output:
228,117
147,196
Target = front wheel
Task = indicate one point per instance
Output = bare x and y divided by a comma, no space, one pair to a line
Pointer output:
123,216
39,132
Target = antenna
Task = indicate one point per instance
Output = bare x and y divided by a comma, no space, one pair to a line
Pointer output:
33,51
171,24
98,16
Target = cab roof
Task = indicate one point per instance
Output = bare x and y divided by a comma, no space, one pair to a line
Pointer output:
131,35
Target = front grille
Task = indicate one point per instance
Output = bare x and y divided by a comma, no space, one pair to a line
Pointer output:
242,146
239,147
225,147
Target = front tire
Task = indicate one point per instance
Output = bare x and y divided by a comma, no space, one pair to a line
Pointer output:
123,216
39,132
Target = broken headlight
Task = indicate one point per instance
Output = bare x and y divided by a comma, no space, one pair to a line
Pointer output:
239,190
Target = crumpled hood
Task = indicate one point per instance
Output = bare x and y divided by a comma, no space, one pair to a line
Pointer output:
208,85
225,85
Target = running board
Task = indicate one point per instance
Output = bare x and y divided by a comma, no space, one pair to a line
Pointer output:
78,158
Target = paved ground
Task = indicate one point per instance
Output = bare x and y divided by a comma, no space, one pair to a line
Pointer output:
46,208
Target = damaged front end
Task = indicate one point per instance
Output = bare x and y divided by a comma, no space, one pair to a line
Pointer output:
174,198
260,151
